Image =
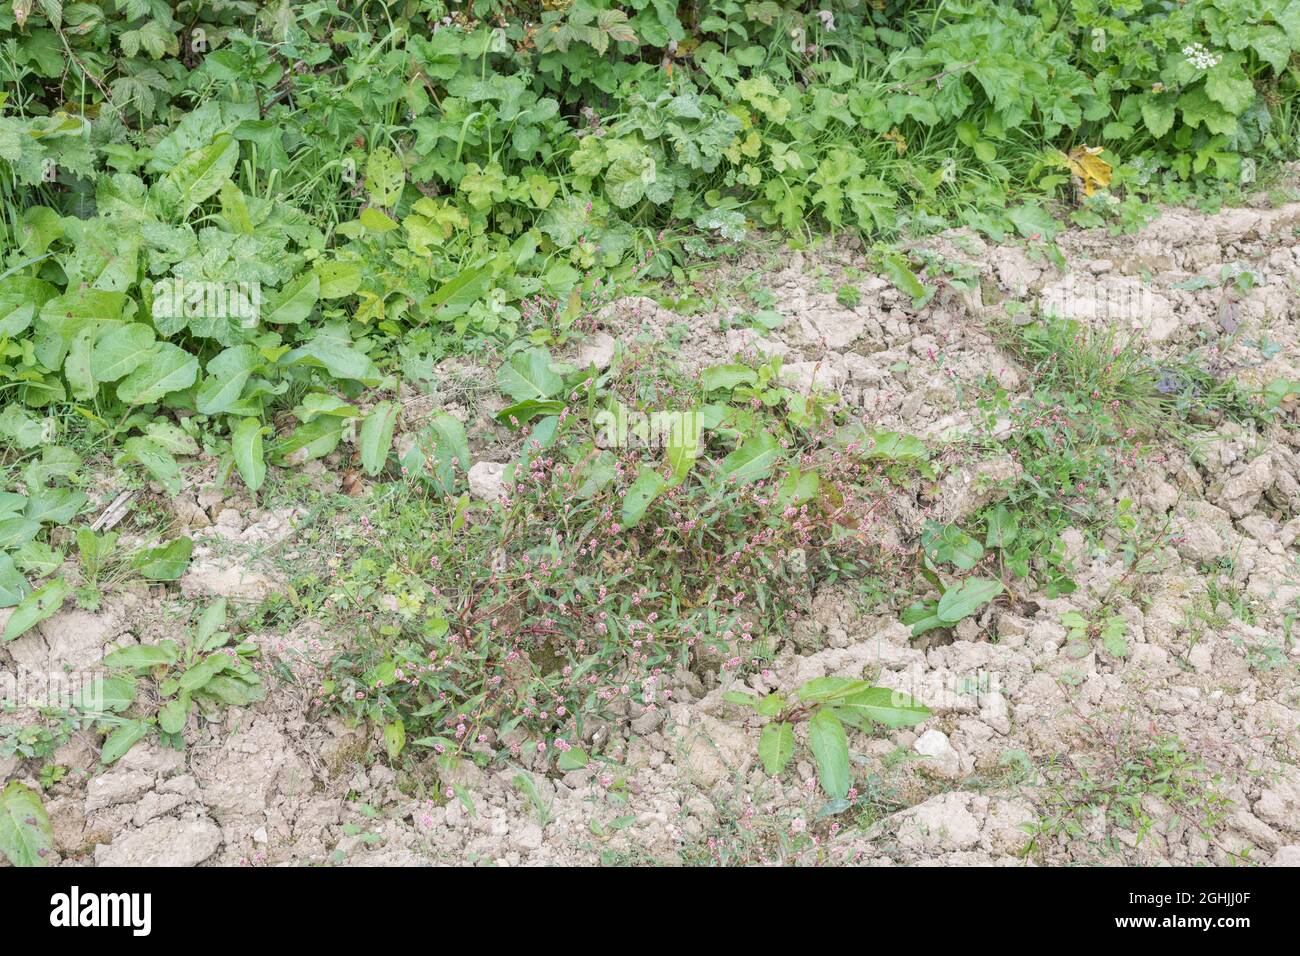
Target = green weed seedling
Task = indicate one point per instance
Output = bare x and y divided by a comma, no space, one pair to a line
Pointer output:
826,704
155,687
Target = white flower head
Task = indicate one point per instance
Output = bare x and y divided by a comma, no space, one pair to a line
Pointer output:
828,19
1201,58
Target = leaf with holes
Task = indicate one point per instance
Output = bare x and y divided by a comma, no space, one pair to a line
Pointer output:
26,837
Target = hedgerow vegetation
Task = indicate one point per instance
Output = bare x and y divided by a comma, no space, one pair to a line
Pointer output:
373,186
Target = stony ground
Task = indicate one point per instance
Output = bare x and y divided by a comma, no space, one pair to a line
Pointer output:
1196,728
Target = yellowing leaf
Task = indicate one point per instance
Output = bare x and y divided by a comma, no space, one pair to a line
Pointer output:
1093,171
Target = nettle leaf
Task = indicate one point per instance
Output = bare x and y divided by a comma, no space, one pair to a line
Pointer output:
246,446
776,746
967,598
376,436
26,837
168,368
830,747
528,374
37,606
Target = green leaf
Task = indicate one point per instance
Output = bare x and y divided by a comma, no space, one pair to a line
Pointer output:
226,375
246,446
375,220
165,563
1228,85
776,747
17,531
394,738
1158,112
1003,528
294,301
456,295
210,622
173,714
949,543
156,459
575,758
121,351
727,377
822,690
900,273
385,176
106,695
528,375
169,368
197,677
647,486
42,603
884,706
337,278
13,586
752,461
967,598
54,505
450,450
830,748
922,617
123,738
521,413
377,436
200,174
26,837
142,655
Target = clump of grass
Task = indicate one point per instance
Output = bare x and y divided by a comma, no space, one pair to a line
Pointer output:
1121,782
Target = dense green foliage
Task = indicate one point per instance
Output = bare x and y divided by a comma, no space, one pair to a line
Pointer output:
224,221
